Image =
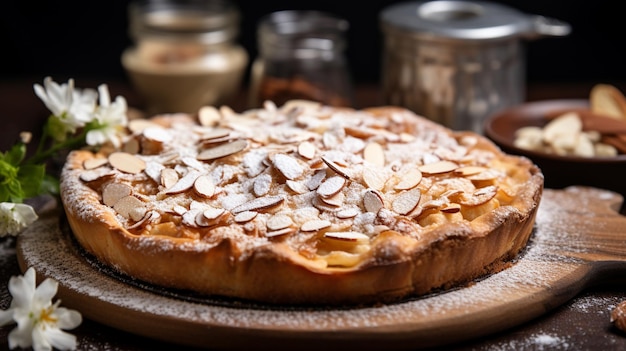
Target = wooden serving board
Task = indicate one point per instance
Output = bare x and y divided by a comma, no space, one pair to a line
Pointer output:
579,239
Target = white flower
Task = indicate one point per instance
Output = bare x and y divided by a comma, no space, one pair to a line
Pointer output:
111,118
15,217
73,108
39,322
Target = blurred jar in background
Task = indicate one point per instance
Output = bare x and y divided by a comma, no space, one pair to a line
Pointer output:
185,54
301,56
457,62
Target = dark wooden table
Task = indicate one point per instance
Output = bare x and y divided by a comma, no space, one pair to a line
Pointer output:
580,324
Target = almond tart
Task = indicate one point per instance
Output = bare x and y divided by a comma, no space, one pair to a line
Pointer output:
302,204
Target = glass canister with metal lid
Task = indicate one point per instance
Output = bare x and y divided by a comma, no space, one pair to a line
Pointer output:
456,62
301,55
185,54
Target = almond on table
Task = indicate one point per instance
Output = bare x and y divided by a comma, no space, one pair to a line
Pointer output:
582,132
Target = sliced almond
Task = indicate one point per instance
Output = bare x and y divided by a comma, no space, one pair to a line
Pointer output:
607,100
126,162
374,154
372,201
213,213
406,202
360,132
208,116
112,192
183,184
280,232
217,133
153,170
204,186
316,179
374,177
409,179
158,134
469,170
406,137
334,200
130,207
438,167
262,184
95,174
347,236
296,186
564,128
147,218
288,166
480,196
245,216
258,204
331,186
138,125
92,163
347,213
451,208
179,210
200,219
169,177
336,168
278,222
223,150
315,225
307,150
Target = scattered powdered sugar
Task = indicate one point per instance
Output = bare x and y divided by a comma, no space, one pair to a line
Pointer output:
586,303
535,342
528,282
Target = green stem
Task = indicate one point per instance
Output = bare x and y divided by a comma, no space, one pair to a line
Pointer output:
41,155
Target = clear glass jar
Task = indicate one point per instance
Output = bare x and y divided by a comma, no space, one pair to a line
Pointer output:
185,54
301,55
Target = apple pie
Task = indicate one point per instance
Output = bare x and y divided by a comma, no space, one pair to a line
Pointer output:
301,204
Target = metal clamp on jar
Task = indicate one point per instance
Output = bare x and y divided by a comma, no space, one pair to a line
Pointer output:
301,56
456,62
185,54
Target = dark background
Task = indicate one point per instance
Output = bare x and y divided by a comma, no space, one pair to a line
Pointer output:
76,39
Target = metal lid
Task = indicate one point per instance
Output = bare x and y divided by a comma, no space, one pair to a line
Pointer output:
467,20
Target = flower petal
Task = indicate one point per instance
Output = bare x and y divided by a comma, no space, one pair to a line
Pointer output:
59,339
46,291
22,288
6,317
40,339
67,319
21,337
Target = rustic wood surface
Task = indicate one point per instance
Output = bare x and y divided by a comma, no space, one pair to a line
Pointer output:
579,239
580,323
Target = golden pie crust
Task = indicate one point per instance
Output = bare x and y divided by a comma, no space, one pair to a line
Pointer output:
302,204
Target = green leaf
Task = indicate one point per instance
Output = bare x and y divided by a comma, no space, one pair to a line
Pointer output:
15,155
30,178
10,189
50,185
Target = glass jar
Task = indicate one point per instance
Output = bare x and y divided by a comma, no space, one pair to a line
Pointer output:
457,62
185,54
301,56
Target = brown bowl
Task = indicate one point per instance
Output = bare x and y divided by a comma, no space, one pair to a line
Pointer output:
559,171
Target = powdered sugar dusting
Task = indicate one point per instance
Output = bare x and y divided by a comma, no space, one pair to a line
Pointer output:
527,283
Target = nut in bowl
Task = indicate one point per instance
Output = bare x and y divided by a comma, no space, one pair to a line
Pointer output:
600,163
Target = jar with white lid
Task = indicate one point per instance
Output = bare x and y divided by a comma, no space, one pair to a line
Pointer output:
301,55
185,54
457,62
